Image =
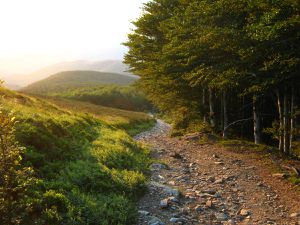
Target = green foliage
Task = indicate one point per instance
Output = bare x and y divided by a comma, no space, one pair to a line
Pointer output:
122,97
215,60
294,180
15,179
73,79
87,169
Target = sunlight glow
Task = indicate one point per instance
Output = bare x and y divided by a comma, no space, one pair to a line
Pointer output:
38,32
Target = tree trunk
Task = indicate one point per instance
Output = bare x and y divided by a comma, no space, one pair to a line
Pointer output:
222,114
292,117
212,108
285,123
256,121
225,115
242,116
280,133
204,105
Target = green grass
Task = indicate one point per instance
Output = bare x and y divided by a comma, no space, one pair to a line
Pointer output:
90,170
131,121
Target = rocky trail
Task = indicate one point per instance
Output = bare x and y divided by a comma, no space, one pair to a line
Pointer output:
194,183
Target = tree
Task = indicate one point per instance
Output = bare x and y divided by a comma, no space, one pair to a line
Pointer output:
224,59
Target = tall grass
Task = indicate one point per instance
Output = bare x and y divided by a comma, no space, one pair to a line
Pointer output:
89,170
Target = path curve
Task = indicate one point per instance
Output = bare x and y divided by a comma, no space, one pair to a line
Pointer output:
205,184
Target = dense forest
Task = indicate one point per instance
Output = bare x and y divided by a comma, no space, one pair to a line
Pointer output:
230,65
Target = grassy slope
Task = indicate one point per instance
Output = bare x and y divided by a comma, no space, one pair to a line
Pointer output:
70,79
90,170
132,122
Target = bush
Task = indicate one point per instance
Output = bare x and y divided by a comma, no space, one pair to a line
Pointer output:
14,178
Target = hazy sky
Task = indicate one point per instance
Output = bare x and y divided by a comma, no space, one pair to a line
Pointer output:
35,33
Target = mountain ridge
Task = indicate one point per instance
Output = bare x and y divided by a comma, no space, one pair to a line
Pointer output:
109,66
80,78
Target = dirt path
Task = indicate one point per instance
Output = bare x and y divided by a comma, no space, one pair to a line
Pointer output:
205,184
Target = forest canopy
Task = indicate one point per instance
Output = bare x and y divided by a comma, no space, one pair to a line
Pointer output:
232,65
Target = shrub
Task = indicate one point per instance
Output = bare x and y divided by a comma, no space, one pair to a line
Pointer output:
14,178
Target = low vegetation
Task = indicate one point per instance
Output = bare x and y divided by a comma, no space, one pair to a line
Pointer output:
78,166
122,97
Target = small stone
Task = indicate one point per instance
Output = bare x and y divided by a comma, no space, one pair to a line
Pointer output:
279,175
230,222
235,189
216,156
171,191
157,166
199,208
259,184
244,212
143,212
184,211
164,203
219,163
160,177
176,156
210,191
219,181
175,220
217,195
221,216
155,221
211,179
294,215
192,164
173,199
209,204
204,195
172,182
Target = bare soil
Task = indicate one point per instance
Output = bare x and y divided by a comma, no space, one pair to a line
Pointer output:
216,185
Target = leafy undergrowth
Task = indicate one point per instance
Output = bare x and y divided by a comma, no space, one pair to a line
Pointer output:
88,170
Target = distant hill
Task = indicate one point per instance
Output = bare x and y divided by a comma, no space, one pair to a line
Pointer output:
110,66
12,86
72,79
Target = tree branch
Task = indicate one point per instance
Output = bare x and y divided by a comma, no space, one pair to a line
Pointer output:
237,121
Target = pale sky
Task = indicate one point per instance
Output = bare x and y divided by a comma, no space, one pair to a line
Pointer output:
36,33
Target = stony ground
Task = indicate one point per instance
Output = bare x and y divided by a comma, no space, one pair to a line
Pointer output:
205,184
